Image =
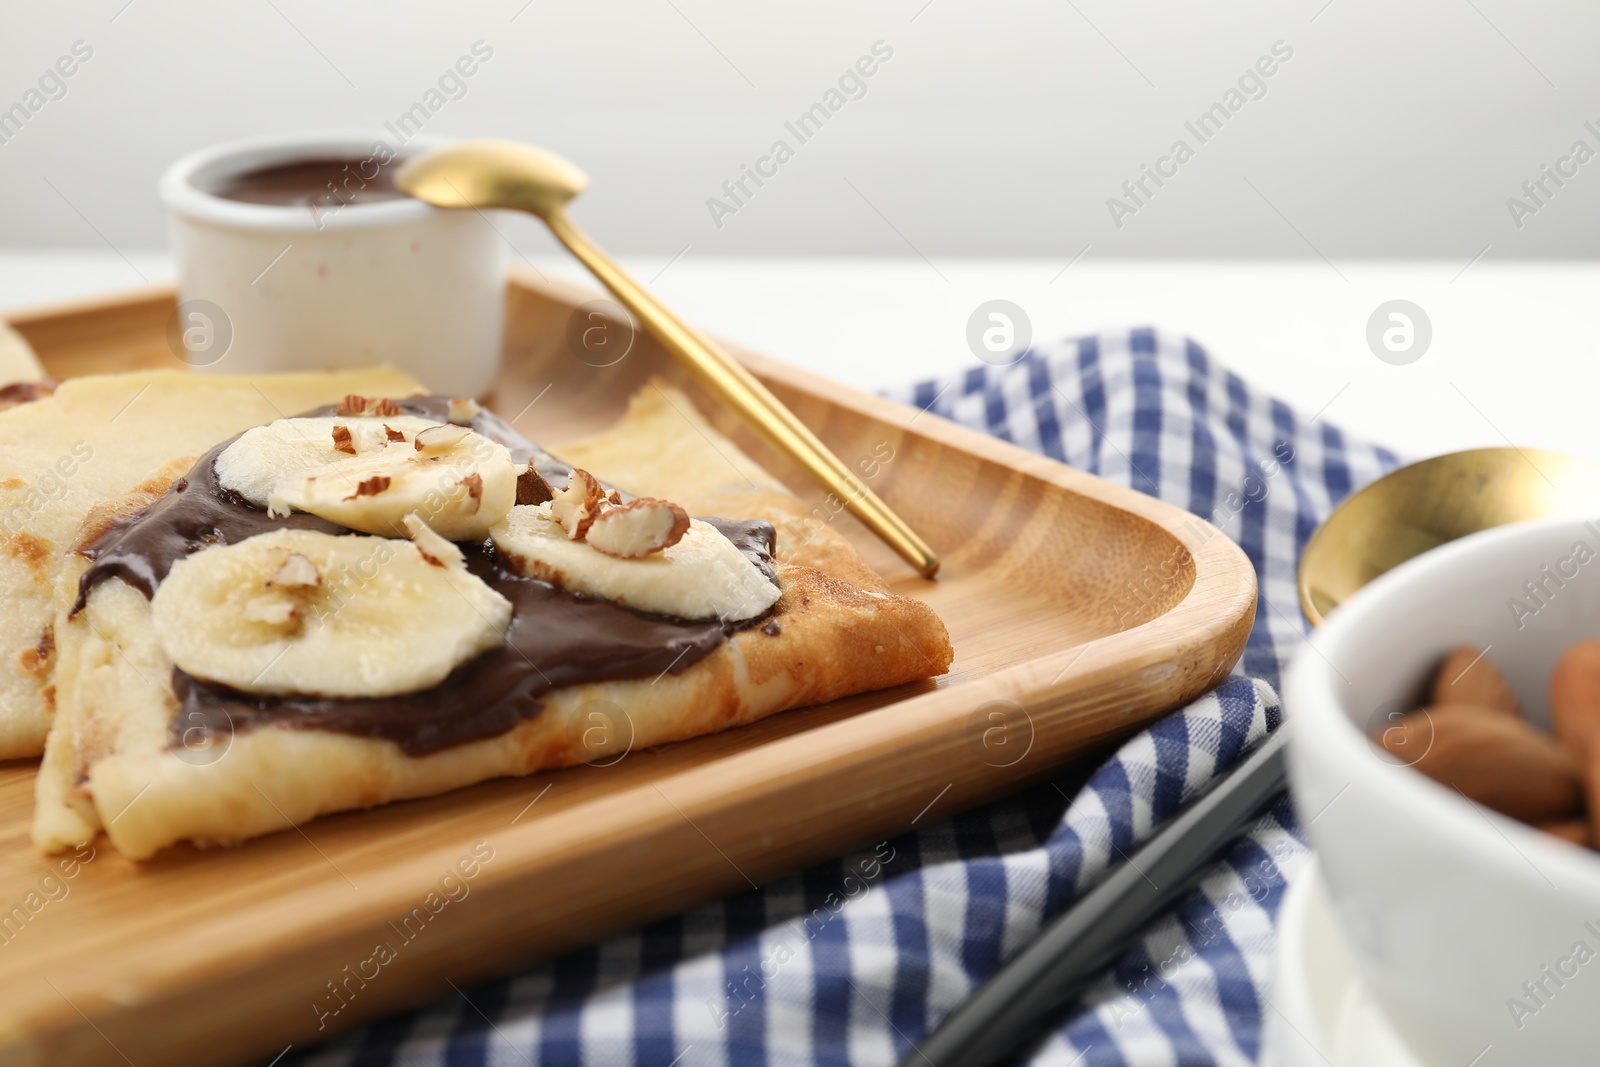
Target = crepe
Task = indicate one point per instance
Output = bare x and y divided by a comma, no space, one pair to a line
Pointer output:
835,630
95,440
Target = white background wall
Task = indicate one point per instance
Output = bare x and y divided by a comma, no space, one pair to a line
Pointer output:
997,128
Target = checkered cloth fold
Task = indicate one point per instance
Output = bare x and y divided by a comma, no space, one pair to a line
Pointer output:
853,961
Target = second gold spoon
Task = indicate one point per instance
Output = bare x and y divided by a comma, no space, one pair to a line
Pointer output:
1423,505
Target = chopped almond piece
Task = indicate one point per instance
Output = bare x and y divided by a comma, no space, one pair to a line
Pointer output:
474,484
440,438
576,506
639,528
297,572
371,487
532,488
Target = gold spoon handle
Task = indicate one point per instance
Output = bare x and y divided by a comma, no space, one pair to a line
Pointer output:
733,385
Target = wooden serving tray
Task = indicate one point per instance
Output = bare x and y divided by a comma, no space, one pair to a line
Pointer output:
1080,610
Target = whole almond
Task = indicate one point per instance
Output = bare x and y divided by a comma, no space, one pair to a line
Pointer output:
1467,677
1408,745
1575,698
1574,830
1500,762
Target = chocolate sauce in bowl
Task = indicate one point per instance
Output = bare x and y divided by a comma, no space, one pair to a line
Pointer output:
556,638
312,183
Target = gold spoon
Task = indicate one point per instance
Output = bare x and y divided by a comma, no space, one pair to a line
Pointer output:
1422,505
503,174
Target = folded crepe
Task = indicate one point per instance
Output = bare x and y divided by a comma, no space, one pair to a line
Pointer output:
367,609
99,439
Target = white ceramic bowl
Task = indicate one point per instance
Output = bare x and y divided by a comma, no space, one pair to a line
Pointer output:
1448,908
274,288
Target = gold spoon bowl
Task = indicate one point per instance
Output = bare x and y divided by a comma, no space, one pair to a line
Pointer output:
1425,504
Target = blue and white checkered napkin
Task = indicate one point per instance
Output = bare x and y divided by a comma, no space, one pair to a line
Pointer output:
853,960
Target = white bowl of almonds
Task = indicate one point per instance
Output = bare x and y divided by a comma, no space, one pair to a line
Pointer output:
1446,744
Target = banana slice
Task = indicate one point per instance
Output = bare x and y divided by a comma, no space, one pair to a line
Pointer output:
17,361
295,612
701,576
264,456
460,483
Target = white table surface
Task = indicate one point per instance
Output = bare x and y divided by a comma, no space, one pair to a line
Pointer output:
1512,358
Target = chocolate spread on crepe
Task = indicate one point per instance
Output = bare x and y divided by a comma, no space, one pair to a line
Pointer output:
24,392
556,639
